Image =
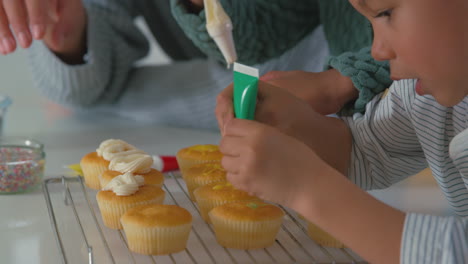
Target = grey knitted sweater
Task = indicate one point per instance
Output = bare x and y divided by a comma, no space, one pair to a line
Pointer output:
182,93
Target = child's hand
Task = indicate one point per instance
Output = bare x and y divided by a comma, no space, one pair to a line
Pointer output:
61,24
326,92
261,160
275,107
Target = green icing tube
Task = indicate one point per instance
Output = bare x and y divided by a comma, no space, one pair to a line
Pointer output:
245,91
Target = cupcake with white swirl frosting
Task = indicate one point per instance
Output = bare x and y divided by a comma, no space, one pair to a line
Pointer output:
135,163
123,193
95,163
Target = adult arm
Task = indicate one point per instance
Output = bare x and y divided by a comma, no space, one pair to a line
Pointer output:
113,44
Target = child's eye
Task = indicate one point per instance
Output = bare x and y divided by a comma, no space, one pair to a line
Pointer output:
385,13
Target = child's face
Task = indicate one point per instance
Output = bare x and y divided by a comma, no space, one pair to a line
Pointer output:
423,39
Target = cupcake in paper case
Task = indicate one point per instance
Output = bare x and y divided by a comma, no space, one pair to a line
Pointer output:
123,193
218,193
246,225
157,229
95,163
196,154
202,174
321,237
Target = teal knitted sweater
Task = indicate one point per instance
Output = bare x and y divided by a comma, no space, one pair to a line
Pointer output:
264,29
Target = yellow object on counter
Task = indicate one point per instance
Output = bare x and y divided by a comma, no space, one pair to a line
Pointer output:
76,168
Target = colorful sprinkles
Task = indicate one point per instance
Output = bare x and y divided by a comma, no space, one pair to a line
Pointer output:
21,168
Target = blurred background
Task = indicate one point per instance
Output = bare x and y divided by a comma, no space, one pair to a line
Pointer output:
29,108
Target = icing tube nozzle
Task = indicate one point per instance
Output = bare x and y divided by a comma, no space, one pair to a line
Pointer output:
225,43
165,163
219,27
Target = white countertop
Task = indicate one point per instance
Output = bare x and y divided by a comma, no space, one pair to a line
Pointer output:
26,233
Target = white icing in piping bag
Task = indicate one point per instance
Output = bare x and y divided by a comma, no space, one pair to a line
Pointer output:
219,27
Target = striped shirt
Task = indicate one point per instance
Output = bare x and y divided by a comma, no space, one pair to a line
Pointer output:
401,135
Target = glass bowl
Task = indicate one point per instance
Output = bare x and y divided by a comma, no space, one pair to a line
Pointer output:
22,163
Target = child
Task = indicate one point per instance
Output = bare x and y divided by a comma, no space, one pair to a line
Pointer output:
300,163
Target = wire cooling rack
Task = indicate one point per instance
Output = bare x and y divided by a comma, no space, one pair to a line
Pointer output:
82,237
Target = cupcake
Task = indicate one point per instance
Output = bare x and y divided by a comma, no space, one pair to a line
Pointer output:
190,156
95,163
246,225
203,174
321,237
153,177
125,192
137,164
157,229
218,193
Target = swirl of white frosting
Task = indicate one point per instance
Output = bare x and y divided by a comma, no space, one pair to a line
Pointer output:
134,163
110,148
112,155
125,184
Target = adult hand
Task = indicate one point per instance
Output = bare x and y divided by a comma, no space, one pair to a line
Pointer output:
263,161
61,24
195,6
198,3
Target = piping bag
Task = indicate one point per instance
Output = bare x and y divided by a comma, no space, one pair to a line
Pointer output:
219,27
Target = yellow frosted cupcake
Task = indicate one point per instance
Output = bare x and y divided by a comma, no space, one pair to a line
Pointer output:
125,192
246,225
321,237
157,229
95,163
218,193
153,177
190,156
203,174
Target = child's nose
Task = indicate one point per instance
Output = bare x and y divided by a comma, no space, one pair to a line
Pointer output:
381,50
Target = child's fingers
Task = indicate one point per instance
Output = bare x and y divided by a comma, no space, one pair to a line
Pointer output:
241,127
223,112
272,75
231,146
224,109
230,164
